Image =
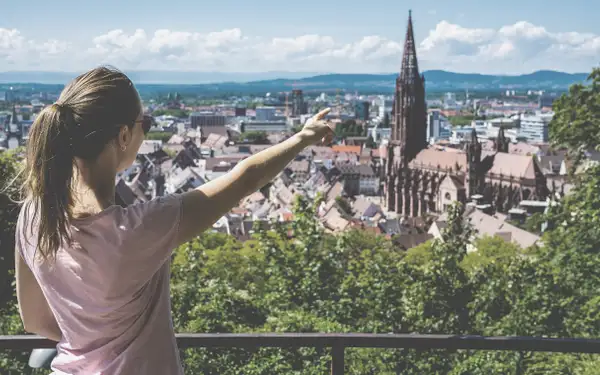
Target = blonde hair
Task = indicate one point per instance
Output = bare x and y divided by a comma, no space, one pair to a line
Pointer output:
88,114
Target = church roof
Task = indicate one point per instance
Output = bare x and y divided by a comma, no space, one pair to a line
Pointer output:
512,164
505,164
453,182
430,158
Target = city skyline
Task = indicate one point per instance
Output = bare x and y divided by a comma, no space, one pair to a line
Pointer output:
231,37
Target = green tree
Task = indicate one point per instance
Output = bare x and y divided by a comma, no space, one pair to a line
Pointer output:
10,324
344,205
159,136
491,250
440,297
576,124
348,128
437,299
461,120
534,223
552,290
9,212
179,113
572,249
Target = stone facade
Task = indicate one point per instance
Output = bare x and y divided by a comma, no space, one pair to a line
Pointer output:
419,180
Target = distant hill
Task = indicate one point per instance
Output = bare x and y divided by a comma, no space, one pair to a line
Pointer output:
436,80
247,83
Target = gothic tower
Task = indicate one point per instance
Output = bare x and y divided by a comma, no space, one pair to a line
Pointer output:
409,114
409,128
502,142
473,178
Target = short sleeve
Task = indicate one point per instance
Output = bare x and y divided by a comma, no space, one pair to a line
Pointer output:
25,241
151,233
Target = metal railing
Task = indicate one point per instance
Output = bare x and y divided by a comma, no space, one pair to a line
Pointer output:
339,341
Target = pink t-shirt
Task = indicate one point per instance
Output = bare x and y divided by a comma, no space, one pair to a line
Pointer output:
109,291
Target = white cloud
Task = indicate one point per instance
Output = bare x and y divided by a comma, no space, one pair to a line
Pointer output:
516,48
521,47
16,49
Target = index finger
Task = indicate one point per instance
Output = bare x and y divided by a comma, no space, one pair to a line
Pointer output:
322,114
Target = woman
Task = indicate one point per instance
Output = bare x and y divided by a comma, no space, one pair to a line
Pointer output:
92,275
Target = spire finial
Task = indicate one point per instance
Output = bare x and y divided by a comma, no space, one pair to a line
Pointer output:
410,13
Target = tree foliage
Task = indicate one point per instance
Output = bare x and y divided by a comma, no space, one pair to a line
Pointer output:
349,128
179,113
576,122
9,211
358,282
159,136
10,324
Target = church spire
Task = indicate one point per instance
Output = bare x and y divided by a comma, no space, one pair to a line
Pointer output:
474,138
409,111
410,66
502,142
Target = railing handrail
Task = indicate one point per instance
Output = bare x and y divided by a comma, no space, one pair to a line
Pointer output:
348,340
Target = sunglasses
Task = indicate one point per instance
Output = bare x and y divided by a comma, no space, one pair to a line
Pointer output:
147,121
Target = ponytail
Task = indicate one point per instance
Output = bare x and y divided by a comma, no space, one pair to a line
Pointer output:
49,177
87,117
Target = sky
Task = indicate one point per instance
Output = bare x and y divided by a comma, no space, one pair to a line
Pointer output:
350,36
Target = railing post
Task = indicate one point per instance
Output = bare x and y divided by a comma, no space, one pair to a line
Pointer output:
337,358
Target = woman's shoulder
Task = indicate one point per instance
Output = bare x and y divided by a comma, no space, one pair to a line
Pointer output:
155,213
156,207
27,218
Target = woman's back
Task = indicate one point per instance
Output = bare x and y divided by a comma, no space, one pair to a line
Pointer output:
94,276
109,290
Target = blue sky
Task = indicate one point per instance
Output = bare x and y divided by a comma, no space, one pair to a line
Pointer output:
346,36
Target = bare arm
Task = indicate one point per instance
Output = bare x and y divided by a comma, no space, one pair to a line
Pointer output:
206,204
35,313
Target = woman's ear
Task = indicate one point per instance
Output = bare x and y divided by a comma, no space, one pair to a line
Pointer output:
124,138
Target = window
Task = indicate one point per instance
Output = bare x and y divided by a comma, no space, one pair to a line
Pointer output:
447,196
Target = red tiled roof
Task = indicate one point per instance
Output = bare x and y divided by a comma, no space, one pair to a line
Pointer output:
346,149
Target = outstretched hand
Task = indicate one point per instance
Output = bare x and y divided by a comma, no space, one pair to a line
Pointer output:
317,129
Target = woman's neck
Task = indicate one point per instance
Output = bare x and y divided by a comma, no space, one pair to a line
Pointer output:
93,188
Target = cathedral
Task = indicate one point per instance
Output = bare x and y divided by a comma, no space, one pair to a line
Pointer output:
420,179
